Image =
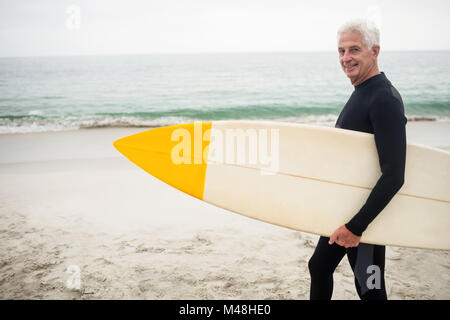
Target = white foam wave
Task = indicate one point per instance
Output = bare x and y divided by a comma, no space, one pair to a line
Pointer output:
31,125
68,124
35,113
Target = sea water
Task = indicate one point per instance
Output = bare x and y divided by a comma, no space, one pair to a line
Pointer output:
75,92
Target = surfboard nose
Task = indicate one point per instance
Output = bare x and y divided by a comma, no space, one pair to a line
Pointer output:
176,155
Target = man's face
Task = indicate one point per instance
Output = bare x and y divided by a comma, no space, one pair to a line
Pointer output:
357,61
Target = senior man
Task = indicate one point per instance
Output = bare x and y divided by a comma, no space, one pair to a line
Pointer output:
376,107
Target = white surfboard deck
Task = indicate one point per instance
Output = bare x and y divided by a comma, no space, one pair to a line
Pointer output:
324,177
314,180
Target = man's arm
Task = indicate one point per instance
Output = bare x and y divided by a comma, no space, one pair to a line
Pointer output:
388,121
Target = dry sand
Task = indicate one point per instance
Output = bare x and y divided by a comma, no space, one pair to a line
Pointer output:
72,208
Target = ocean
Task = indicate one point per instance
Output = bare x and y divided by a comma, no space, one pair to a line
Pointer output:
39,94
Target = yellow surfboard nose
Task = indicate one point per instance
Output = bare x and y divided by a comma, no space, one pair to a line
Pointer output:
176,155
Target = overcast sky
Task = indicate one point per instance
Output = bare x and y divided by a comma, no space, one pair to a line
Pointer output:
60,27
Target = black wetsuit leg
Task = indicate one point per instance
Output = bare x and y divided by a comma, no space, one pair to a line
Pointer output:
378,260
326,258
321,266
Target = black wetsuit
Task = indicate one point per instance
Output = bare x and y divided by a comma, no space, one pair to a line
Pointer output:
375,106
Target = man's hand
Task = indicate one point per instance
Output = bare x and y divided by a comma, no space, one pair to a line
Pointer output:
344,237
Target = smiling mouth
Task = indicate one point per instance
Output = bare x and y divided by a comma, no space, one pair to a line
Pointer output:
348,68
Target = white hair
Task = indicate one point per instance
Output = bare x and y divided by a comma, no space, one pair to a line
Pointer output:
368,29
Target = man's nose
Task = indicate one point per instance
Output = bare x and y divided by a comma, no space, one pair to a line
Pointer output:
346,57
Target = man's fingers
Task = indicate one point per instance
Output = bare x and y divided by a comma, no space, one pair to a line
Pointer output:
332,238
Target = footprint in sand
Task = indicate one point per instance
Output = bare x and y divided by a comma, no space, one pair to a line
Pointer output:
142,248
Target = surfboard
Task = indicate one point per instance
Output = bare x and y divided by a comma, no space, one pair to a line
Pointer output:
303,177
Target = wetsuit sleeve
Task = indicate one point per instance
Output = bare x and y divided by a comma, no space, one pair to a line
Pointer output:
388,121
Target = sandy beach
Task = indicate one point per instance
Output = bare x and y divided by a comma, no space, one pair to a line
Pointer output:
71,207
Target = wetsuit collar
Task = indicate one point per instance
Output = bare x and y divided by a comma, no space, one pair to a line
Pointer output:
372,80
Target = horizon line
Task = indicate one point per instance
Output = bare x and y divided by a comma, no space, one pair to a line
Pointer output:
204,53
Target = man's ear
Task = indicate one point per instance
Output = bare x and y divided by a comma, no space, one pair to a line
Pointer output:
376,50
